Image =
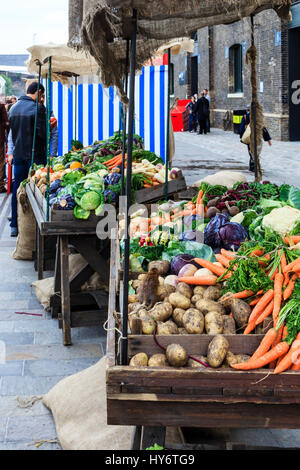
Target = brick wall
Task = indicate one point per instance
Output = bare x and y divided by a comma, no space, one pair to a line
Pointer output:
272,69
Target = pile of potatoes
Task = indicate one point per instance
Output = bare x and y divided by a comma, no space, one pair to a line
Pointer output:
218,355
185,309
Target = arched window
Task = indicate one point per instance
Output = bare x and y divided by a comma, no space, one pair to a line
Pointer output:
235,69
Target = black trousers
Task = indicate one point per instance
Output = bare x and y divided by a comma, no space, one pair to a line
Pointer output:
202,124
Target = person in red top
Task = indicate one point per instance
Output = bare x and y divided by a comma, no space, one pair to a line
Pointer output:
4,128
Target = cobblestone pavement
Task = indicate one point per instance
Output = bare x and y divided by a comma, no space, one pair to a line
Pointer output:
35,357
200,155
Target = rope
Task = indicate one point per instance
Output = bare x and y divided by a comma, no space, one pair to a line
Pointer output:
28,402
121,337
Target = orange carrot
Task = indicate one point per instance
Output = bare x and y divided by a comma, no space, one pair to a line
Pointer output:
261,305
291,240
258,252
255,301
290,356
223,260
265,344
278,282
290,266
277,340
267,311
262,361
290,287
243,294
296,267
199,281
274,274
199,197
211,266
250,327
228,254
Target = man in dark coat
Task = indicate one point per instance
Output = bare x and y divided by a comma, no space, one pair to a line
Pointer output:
203,113
4,128
21,121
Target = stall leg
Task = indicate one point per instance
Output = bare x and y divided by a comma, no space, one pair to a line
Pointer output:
136,439
40,255
153,435
65,290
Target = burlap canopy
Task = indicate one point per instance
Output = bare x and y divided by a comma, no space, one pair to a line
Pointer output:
101,26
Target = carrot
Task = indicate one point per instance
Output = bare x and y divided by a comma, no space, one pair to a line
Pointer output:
267,311
255,301
223,260
265,359
200,281
278,282
261,305
211,266
243,294
296,267
277,340
291,240
274,274
288,359
265,344
228,254
259,252
290,287
200,196
283,264
250,327
290,266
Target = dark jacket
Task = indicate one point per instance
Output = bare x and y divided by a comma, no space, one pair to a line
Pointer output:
4,125
245,121
21,120
202,108
192,107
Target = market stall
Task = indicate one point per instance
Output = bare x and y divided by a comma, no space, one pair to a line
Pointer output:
238,296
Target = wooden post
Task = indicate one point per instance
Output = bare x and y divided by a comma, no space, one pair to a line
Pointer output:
168,127
65,290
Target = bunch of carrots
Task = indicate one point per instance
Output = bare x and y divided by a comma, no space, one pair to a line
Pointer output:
115,161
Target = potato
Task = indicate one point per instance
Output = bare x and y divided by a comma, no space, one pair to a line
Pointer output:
176,355
214,323
177,316
133,299
229,325
141,277
164,291
184,289
195,364
162,267
139,360
242,358
212,293
199,290
231,358
167,328
206,306
148,326
179,301
182,331
158,360
217,350
226,300
195,298
136,284
193,321
161,311
241,312
134,307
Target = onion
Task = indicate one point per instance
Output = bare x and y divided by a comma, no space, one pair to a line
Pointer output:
173,174
203,272
187,271
171,280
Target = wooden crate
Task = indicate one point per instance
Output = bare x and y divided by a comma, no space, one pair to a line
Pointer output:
187,397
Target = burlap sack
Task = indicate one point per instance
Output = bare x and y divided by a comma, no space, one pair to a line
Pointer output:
78,405
224,178
44,288
26,227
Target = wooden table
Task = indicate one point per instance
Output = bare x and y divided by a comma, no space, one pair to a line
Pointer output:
81,235
153,398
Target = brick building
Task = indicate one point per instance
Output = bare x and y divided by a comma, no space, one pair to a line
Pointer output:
218,63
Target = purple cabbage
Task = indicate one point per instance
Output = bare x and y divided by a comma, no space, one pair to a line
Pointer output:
181,260
221,233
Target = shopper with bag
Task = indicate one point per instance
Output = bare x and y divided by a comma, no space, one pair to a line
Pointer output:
245,135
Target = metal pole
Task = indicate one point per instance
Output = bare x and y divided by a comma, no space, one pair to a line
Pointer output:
124,344
36,115
124,120
48,136
76,93
168,127
253,109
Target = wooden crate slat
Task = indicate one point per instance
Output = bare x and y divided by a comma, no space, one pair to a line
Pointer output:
157,192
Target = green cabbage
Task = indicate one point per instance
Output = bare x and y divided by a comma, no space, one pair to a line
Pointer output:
81,213
90,200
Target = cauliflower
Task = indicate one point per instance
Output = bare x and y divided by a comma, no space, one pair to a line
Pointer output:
281,220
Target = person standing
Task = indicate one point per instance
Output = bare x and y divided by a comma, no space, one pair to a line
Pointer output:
4,128
203,113
266,137
191,107
22,122
207,96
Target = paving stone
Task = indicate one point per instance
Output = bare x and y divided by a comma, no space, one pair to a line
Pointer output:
37,324
28,446
53,351
6,326
17,338
11,368
11,315
3,424
30,428
47,368
27,385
